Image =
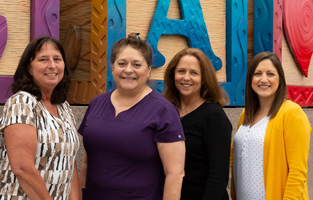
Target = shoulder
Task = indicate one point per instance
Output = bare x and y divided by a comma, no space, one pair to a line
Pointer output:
164,107
22,97
101,98
160,101
67,107
158,98
290,114
209,108
289,107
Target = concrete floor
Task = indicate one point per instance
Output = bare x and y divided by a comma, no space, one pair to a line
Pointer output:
233,114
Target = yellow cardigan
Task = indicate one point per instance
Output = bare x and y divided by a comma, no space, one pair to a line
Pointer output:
285,156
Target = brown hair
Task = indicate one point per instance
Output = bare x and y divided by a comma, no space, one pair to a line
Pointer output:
24,81
210,90
135,42
252,104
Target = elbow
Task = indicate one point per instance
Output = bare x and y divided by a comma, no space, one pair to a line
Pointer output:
19,170
177,175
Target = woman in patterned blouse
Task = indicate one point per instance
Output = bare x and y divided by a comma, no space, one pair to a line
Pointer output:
38,138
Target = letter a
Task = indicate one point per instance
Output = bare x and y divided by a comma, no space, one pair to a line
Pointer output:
192,26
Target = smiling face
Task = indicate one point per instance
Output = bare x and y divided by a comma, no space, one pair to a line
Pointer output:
265,80
130,70
188,77
47,68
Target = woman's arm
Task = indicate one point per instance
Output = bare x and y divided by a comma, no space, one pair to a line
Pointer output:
297,131
75,192
217,140
21,144
173,159
83,173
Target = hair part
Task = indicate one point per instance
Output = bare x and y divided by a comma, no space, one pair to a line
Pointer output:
23,80
252,103
210,90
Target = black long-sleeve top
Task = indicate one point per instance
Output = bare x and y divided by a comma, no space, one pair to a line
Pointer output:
208,139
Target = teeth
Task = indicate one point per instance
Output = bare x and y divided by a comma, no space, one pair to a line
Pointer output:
184,84
50,74
264,86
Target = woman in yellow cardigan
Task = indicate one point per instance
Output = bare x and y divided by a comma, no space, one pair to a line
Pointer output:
271,146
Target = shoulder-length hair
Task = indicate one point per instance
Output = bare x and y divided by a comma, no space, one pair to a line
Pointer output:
252,103
23,80
210,90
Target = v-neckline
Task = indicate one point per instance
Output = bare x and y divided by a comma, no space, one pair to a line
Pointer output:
182,117
251,127
133,106
59,117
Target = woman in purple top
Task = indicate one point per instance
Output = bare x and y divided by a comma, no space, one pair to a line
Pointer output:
133,136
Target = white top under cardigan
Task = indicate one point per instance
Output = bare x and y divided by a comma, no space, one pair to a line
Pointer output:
248,161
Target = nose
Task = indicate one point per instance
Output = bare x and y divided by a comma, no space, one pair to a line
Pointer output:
128,68
186,77
52,63
264,78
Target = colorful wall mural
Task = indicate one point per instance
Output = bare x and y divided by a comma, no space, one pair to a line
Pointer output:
228,32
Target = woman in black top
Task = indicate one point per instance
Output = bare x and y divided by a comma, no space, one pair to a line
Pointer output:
192,86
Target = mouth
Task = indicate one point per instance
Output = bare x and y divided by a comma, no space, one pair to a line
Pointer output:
264,86
128,78
51,74
186,85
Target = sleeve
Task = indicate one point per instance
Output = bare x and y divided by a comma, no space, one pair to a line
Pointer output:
19,109
297,131
217,139
169,127
84,121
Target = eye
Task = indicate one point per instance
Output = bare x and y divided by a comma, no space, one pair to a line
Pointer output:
180,71
121,63
58,59
43,59
257,74
194,73
270,74
137,65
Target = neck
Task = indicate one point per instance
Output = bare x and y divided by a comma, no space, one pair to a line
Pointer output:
265,106
132,95
46,96
188,105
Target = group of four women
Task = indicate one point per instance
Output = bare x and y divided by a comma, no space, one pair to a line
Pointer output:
141,145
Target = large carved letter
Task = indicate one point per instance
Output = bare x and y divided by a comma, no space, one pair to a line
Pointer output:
192,26
236,50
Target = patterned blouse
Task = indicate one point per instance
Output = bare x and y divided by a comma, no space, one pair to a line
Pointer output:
57,146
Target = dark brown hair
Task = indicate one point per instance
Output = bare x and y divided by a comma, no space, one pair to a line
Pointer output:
135,42
252,103
24,81
210,90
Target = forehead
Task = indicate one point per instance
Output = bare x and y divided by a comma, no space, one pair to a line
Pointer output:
189,60
129,52
266,65
48,46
